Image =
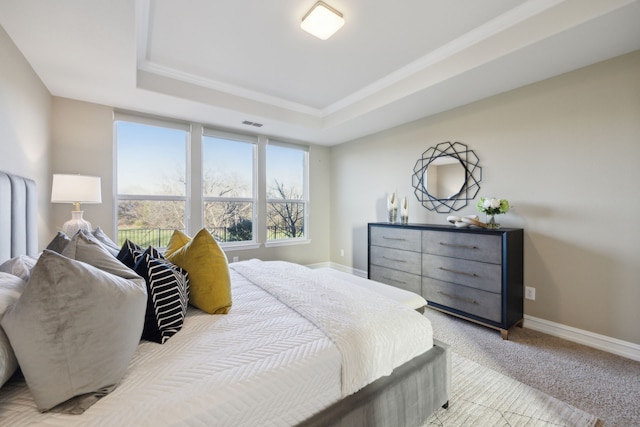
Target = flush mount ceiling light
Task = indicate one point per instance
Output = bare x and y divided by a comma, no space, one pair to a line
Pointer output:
322,21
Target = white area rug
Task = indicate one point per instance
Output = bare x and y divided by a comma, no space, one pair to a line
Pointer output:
483,397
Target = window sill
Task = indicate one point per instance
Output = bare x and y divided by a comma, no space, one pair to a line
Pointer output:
239,247
288,242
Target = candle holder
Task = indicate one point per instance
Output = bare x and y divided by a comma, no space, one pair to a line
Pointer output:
393,215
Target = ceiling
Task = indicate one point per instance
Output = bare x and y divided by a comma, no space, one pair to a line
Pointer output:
224,62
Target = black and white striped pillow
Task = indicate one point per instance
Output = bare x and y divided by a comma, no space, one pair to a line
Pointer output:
127,254
168,295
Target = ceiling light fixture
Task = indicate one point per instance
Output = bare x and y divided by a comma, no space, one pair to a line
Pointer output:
322,21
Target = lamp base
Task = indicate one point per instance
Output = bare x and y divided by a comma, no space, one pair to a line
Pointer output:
76,223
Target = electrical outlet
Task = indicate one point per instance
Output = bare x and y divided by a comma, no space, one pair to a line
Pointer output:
530,293
341,252
235,259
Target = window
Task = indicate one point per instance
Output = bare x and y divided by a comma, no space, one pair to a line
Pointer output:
246,190
287,191
152,181
228,186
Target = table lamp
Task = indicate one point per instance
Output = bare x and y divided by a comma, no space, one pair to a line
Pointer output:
75,189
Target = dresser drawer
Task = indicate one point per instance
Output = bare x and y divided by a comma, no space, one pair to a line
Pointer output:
397,238
476,247
399,279
469,300
396,259
479,275
474,274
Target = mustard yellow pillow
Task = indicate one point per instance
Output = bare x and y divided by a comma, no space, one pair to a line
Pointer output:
209,280
178,239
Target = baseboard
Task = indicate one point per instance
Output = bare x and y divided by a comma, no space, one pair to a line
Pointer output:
340,267
350,270
319,265
601,342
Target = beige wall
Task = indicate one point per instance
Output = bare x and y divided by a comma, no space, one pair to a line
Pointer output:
564,152
83,143
25,127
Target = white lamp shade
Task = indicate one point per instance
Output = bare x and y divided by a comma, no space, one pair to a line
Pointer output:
322,21
75,189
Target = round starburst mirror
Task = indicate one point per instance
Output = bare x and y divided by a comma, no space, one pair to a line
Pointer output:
447,177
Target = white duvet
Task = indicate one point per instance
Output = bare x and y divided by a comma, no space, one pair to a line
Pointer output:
374,334
261,364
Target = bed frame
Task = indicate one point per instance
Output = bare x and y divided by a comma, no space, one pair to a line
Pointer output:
18,216
407,397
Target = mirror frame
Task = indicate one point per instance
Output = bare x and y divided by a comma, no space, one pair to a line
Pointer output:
470,188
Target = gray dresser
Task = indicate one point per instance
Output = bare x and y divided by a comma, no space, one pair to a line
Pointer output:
472,273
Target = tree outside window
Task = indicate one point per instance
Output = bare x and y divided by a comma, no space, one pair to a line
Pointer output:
287,199
228,186
151,181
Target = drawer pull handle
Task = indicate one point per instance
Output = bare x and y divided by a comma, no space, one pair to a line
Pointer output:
459,272
453,245
393,259
469,300
394,280
394,238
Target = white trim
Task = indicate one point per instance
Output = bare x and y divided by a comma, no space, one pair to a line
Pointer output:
601,342
232,246
286,242
495,26
220,86
149,120
319,265
340,267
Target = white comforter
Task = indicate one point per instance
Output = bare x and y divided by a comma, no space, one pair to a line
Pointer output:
374,334
261,364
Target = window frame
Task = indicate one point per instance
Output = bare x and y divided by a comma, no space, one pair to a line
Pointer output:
305,238
194,203
161,123
255,191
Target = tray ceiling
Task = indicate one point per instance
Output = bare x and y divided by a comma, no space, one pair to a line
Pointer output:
225,62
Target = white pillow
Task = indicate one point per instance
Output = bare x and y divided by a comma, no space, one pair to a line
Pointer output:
19,266
76,327
10,289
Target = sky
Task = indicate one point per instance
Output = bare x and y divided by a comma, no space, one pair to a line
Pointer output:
150,157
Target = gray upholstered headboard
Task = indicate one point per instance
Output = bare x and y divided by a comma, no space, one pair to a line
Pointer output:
18,216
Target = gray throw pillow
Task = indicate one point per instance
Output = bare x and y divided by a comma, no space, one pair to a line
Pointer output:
11,288
76,327
86,248
59,242
111,246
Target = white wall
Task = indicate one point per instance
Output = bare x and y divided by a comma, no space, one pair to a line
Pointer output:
25,127
564,152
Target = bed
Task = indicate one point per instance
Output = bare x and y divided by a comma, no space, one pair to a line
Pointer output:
274,359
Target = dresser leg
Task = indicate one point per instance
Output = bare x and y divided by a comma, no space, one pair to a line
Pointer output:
504,333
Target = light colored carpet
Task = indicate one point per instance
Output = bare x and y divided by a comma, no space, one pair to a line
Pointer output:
483,397
600,383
